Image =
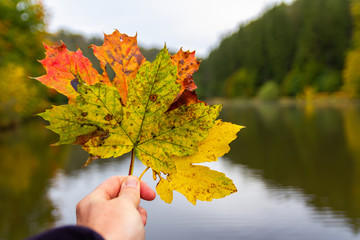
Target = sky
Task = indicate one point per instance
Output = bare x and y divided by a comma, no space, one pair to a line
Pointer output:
191,24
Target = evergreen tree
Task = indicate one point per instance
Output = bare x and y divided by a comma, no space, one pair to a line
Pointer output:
297,46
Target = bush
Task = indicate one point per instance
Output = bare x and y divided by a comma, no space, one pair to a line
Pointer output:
293,83
20,98
351,74
241,83
329,81
268,91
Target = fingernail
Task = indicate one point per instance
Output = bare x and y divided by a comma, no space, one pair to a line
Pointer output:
131,181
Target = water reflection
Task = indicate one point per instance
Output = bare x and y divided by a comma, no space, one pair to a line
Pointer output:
26,164
296,167
317,152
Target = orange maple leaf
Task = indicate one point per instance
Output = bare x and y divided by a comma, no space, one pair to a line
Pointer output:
65,69
186,64
122,53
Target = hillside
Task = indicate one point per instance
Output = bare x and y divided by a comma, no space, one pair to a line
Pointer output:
291,47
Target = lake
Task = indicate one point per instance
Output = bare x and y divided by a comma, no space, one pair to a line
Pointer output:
296,167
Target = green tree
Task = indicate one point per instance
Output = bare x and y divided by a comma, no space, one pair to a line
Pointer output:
268,91
241,82
297,45
325,28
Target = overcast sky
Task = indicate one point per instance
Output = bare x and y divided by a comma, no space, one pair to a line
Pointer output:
192,24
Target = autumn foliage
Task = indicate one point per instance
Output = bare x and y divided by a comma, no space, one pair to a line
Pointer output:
149,109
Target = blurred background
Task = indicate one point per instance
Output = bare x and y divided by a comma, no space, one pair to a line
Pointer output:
287,70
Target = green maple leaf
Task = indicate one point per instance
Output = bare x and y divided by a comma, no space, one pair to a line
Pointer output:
150,110
143,125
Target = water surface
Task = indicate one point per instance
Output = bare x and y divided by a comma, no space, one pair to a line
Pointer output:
296,167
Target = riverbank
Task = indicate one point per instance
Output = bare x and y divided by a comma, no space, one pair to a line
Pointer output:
318,101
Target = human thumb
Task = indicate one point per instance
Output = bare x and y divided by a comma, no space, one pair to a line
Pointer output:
130,190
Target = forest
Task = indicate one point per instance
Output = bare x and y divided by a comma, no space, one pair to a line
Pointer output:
290,50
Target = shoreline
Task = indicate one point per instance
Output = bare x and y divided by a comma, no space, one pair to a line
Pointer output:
323,101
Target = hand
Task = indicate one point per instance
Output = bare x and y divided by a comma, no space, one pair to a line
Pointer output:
113,210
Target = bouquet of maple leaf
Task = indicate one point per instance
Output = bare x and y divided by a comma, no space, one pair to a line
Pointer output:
148,109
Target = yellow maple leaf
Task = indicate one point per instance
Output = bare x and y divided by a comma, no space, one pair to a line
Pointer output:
199,182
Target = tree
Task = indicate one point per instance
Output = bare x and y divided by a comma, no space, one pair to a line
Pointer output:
22,31
297,46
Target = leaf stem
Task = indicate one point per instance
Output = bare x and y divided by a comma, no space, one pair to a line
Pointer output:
142,174
131,168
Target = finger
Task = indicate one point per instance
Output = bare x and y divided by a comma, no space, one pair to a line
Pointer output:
109,189
146,192
130,191
143,214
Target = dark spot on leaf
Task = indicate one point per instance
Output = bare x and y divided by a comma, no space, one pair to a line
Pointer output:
153,97
84,114
181,61
121,102
114,146
139,58
74,83
104,137
108,117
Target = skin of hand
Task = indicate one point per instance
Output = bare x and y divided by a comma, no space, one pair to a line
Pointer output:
113,210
